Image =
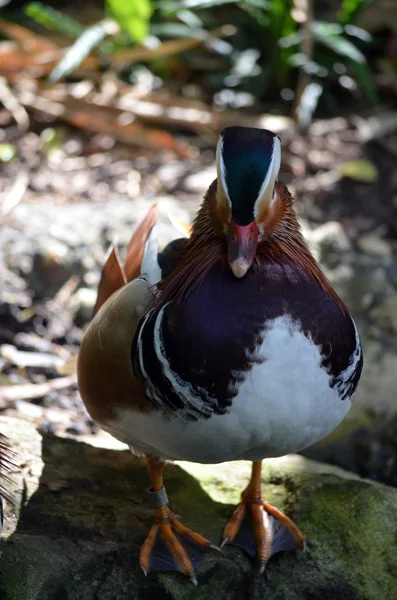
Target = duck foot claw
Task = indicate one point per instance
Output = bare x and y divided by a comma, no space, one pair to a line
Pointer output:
262,531
171,546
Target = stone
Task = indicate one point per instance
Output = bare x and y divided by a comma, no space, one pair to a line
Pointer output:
81,514
198,183
82,304
61,240
170,174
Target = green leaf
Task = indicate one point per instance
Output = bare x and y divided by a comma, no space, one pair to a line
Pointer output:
359,170
53,19
365,80
133,16
52,139
175,30
322,29
170,7
349,10
358,32
79,51
330,37
291,40
7,152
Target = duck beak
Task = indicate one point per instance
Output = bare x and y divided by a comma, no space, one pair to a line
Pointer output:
242,241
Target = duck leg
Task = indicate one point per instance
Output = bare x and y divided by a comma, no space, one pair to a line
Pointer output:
163,549
260,528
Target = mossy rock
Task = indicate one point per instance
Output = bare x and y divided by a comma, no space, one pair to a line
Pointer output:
81,515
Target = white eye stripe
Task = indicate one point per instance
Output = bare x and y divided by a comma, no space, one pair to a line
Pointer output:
221,169
271,177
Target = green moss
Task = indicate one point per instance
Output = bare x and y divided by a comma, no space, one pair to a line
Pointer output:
361,513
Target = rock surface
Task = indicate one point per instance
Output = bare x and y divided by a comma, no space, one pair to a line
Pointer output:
81,514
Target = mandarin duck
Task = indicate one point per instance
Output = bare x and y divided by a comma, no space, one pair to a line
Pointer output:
229,344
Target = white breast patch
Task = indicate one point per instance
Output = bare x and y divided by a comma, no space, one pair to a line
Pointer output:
284,404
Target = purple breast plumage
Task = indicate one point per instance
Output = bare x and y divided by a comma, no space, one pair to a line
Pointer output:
201,350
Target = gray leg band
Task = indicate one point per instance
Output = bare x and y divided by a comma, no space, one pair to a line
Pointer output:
157,499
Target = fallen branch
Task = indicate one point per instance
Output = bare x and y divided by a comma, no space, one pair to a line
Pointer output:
26,391
130,56
31,42
119,120
104,119
376,126
15,193
22,358
12,104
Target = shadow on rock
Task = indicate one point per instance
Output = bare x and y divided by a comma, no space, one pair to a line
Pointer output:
78,535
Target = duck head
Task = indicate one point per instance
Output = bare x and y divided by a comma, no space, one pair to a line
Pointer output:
246,213
248,163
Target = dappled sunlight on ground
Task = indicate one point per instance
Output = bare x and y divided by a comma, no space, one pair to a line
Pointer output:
224,482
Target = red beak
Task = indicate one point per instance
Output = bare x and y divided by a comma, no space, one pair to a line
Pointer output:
242,241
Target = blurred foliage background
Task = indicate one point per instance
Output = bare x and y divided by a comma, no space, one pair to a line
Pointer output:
232,54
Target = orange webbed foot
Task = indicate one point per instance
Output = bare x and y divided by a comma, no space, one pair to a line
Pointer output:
170,545
164,548
259,528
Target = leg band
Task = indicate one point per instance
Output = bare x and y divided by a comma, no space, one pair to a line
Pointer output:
157,499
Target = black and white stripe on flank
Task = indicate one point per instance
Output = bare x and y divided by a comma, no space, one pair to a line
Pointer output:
163,386
347,380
